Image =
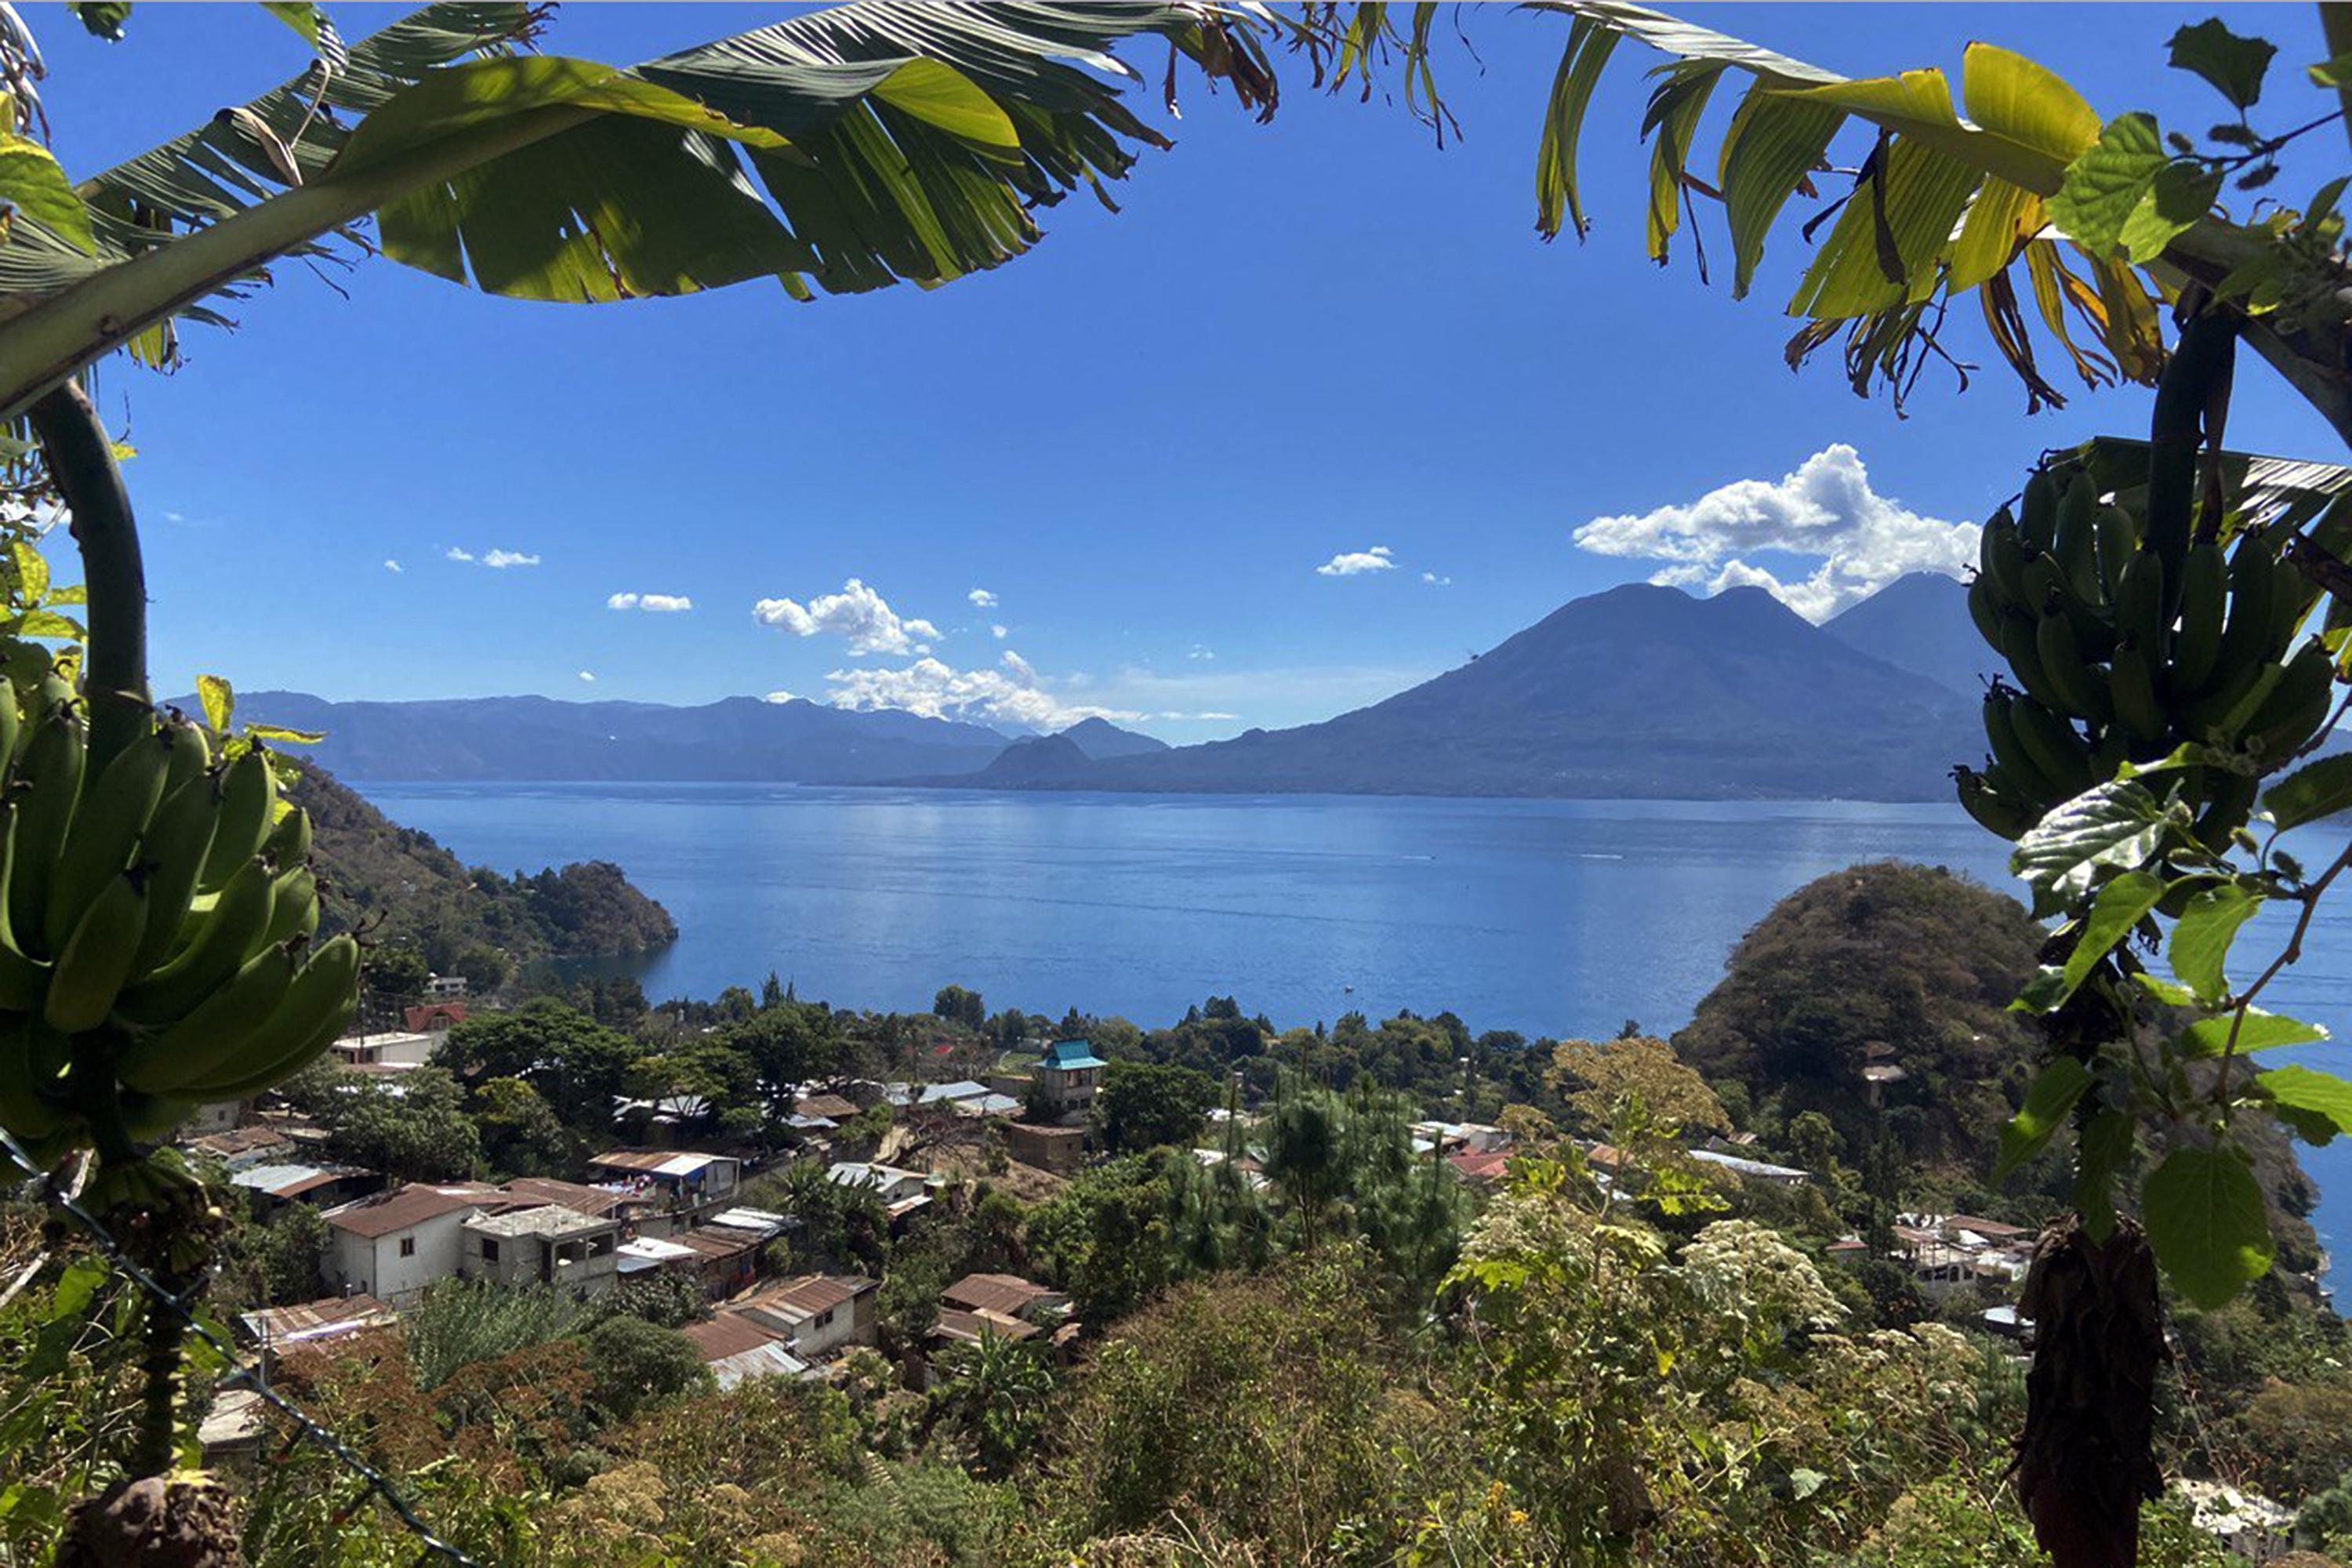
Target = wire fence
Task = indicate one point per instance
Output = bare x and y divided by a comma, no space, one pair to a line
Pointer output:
432,1545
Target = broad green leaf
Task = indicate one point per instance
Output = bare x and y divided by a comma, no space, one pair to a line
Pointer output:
1918,197
2315,790
2104,186
32,571
2234,65
2260,1032
2118,824
32,183
219,700
2200,943
2207,1224
2026,102
939,95
76,1287
102,18
1773,144
2050,1096
1918,104
1673,118
2104,1144
49,624
2001,218
309,20
1803,1483
2179,196
2187,754
1588,50
2121,904
2320,1094
2337,72
2165,991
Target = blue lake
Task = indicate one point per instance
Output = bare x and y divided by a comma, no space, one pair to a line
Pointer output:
1549,917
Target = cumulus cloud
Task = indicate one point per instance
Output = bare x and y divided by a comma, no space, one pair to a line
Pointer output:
1356,562
1824,510
1432,579
588,675
1014,693
981,598
781,697
1000,631
1200,651
391,566
857,614
499,560
652,603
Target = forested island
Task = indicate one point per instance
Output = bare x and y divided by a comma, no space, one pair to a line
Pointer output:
1310,1292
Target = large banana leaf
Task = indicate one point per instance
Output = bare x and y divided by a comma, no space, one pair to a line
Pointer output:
844,148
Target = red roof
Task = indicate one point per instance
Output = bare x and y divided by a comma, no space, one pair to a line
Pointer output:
810,1293
405,1206
726,1334
1482,1166
1006,1293
433,1015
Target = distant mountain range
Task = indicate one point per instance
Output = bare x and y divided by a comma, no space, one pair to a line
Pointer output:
1641,691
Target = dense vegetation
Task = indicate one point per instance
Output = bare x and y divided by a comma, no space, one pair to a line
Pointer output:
409,892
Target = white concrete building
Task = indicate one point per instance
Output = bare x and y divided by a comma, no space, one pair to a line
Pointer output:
546,1244
393,1246
400,1049
816,1314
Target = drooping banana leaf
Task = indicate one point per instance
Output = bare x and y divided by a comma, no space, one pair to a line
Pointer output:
846,149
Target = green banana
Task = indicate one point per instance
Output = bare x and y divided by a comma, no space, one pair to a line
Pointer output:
294,910
215,1033
10,721
2064,756
2001,556
2037,517
2221,713
226,935
2080,691
174,849
1994,812
2246,640
113,813
24,1108
148,1117
2075,543
2204,598
23,981
2228,804
309,1019
2297,705
2008,754
2132,690
248,794
1984,609
289,843
95,959
2139,608
2292,594
2019,645
51,775
2118,547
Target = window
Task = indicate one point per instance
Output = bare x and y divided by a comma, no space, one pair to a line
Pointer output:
823,1319
489,1250
408,1247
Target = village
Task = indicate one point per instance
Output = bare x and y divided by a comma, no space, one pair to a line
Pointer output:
668,1204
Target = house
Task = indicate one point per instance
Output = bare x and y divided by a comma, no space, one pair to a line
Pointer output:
1007,1296
679,1179
393,1244
888,1182
443,987
830,1108
1471,1137
816,1314
736,1348
1067,1076
726,1259
544,1244
402,1050
999,1105
237,1147
273,1186
1752,1170
1061,1150
1481,1168
433,1018
601,1202
933,1095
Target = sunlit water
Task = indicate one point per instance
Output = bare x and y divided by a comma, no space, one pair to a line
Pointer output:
1548,916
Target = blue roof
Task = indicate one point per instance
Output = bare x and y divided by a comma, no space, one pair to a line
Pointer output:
1065,1055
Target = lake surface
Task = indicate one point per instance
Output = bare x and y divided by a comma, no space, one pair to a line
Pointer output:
1549,917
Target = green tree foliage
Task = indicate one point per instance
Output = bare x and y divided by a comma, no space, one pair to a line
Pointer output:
1143,1105
958,1006
631,1363
577,1065
460,1322
413,1129
996,1398
520,1133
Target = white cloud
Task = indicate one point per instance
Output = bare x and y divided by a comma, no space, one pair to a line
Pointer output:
981,599
1201,717
652,603
1356,562
1000,631
588,675
1014,694
391,566
1200,651
499,560
1434,580
1825,509
856,613
781,697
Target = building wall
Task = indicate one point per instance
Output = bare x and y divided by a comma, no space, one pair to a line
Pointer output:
377,1267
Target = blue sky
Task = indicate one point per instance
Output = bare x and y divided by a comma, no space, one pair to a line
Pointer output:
1298,343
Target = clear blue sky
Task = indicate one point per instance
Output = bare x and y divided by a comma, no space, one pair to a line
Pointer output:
1297,342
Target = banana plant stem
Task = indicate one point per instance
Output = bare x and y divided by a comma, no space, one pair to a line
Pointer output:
81,463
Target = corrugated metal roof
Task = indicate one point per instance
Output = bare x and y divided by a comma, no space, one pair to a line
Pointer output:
659,1162
405,1206
954,1323
770,1359
1006,1293
1065,1055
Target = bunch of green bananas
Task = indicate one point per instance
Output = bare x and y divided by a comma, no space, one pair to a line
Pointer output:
2114,661
156,922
